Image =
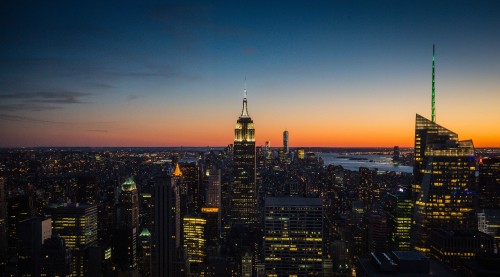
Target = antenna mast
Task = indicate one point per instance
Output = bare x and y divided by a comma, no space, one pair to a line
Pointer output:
433,86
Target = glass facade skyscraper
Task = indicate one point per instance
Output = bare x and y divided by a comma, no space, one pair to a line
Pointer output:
445,179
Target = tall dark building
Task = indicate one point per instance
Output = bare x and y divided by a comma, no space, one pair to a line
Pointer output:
3,223
144,253
243,204
376,222
31,234
212,209
19,208
489,183
87,189
191,182
55,257
126,229
396,155
445,180
165,233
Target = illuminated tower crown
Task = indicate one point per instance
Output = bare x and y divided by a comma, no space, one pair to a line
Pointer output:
244,130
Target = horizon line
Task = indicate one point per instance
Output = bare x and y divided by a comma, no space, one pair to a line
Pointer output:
209,146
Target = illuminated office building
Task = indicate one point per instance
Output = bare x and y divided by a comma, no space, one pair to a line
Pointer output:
77,225
445,180
301,154
194,239
399,212
488,221
243,203
293,236
127,224
246,265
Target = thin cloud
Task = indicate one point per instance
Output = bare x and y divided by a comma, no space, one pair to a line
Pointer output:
57,97
100,86
132,97
28,107
98,131
152,71
18,118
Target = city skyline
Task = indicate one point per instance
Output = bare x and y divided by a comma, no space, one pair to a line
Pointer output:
173,74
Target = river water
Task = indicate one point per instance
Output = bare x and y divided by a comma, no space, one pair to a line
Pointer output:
355,161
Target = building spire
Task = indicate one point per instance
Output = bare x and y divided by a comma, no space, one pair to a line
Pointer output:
433,86
244,111
177,171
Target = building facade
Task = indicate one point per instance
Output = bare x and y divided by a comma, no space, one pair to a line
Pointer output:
445,181
293,236
77,225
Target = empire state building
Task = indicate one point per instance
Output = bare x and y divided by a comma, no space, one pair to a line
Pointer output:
243,208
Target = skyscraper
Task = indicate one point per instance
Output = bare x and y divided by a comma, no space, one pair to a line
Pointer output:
213,187
3,223
77,225
165,233
243,203
55,257
376,222
285,142
144,253
194,240
445,179
293,236
399,210
489,183
212,208
127,224
19,208
31,235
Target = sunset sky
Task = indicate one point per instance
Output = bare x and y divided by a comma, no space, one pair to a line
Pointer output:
342,74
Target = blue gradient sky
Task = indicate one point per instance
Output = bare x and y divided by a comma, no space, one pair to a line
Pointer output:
348,73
